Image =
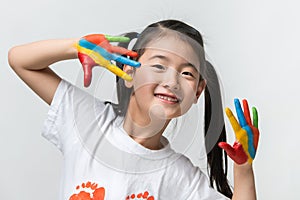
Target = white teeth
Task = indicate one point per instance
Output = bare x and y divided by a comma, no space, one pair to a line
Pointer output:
167,98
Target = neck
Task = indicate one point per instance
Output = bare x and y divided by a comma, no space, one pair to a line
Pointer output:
146,132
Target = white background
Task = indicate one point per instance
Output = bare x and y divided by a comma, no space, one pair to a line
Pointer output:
254,46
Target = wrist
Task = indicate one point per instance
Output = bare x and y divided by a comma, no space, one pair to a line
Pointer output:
72,52
245,168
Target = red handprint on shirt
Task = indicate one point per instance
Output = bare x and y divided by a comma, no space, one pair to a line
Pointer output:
90,191
141,196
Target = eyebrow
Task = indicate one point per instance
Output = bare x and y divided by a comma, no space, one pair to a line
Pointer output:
167,59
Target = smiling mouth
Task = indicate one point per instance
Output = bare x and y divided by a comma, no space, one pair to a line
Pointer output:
167,98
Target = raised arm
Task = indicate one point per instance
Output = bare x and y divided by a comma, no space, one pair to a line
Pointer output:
31,63
243,150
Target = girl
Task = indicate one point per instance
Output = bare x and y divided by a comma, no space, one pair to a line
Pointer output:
119,151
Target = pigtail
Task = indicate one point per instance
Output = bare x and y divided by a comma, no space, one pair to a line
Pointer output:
214,125
122,91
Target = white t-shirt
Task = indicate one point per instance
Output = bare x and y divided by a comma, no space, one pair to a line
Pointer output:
103,162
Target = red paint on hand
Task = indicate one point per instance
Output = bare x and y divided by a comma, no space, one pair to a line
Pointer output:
235,152
254,129
101,40
87,65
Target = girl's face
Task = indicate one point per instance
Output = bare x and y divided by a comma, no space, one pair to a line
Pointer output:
167,83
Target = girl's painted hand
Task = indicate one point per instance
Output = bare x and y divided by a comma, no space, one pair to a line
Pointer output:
96,50
246,132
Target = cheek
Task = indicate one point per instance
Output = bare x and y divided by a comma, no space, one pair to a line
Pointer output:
144,77
189,88
143,91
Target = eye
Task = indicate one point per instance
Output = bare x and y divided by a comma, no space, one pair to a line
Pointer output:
159,67
188,74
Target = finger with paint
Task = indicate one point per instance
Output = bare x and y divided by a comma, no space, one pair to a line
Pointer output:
246,132
95,50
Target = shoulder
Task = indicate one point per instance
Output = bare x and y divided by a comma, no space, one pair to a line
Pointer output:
183,169
184,175
196,182
74,112
189,170
71,97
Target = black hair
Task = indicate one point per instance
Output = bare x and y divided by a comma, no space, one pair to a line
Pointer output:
215,132
214,120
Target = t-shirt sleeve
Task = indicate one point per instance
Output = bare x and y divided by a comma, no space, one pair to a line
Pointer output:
56,115
202,190
196,184
71,110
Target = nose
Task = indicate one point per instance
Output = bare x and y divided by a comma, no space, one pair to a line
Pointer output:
171,80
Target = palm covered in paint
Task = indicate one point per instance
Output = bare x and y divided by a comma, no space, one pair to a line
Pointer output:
96,50
246,132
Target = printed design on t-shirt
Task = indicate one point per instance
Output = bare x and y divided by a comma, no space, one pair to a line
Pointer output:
140,196
89,191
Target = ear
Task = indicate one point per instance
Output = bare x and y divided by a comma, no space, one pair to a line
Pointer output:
130,71
200,89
